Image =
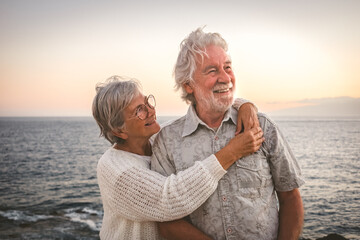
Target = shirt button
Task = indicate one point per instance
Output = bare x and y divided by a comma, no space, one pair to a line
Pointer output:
216,138
229,230
224,199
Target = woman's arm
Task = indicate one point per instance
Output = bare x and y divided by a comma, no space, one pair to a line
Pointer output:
180,230
140,194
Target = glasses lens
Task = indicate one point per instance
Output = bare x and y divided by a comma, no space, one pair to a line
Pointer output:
142,112
151,101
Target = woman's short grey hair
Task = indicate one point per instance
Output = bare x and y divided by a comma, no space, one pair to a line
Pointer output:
112,97
190,48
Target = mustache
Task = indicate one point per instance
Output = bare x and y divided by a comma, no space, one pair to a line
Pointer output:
222,86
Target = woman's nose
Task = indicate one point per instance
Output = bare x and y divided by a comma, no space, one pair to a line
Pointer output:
151,111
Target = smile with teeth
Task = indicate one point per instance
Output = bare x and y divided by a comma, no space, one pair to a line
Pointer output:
222,90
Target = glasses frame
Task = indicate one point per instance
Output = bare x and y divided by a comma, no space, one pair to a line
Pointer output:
145,107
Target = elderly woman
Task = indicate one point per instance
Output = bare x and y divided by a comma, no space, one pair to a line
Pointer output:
134,197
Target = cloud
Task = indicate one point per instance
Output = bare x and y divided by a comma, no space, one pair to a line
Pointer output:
339,106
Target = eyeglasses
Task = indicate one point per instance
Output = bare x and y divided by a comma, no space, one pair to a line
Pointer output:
142,111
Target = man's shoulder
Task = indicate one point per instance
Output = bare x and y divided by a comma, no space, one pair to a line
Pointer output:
177,123
169,130
265,120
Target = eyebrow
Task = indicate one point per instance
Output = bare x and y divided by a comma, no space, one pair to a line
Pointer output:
214,66
136,108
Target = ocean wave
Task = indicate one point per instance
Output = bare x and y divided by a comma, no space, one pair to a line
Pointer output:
90,217
92,211
23,216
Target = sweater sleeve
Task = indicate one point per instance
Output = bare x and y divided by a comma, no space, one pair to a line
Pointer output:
238,102
139,194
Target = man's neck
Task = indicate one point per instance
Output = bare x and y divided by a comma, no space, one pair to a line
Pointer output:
212,119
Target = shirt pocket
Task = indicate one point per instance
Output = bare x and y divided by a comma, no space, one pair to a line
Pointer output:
253,175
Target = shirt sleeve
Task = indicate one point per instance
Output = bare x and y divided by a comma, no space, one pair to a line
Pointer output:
140,194
238,102
284,167
160,160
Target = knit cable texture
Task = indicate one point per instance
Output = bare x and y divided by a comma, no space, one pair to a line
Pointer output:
133,195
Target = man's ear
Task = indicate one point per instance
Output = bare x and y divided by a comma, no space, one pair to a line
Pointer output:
120,133
188,88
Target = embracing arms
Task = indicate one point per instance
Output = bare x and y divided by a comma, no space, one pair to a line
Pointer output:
139,194
247,122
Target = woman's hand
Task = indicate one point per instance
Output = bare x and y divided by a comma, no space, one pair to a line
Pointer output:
247,118
247,142
240,146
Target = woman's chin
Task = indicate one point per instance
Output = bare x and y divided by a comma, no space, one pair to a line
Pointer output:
155,127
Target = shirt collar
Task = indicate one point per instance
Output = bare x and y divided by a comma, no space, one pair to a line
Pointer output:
192,121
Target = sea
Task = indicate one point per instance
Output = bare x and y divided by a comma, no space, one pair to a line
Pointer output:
48,185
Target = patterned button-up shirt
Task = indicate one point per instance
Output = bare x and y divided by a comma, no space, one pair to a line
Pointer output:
244,206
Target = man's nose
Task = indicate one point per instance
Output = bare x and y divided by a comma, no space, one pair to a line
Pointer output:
224,77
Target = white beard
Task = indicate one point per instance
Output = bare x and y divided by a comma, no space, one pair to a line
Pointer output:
211,103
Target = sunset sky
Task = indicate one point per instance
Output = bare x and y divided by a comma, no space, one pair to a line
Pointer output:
52,53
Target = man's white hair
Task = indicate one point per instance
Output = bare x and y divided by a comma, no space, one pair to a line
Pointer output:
190,48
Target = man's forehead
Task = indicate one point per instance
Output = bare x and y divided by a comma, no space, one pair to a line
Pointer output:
213,60
214,51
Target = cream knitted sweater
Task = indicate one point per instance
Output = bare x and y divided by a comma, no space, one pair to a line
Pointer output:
135,198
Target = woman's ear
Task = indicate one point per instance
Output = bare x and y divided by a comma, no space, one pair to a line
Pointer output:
188,88
120,133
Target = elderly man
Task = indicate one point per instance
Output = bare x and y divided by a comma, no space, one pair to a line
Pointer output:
245,204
